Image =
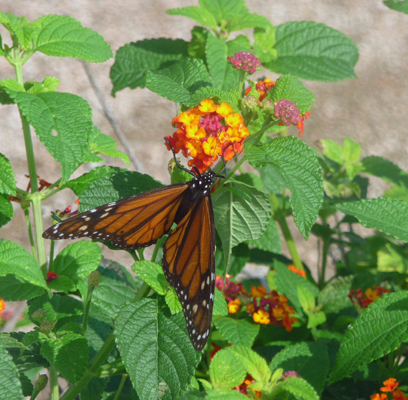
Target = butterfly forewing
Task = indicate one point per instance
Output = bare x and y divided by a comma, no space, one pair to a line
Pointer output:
132,223
188,263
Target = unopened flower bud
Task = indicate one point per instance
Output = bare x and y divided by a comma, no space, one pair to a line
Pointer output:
267,105
94,279
46,327
288,374
38,315
41,383
250,101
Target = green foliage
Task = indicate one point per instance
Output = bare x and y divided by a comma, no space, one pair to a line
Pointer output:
304,336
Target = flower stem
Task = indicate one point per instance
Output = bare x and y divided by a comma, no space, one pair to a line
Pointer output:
30,231
87,306
38,226
53,383
287,235
120,388
94,365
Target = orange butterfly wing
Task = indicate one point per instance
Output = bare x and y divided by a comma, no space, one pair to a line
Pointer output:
189,266
130,223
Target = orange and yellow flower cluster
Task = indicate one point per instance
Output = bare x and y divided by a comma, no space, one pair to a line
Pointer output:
366,298
265,307
243,387
206,132
2,306
391,385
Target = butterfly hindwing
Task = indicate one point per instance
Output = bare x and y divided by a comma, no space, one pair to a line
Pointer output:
131,223
189,266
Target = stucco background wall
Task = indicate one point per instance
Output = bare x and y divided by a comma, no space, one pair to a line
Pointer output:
371,109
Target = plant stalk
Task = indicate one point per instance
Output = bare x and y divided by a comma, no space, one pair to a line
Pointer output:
54,387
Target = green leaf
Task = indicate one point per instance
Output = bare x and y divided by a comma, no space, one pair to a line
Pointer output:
272,178
104,144
397,5
78,260
8,342
225,394
10,386
300,388
152,274
384,214
239,332
172,301
62,122
68,354
6,210
310,360
17,261
333,151
265,37
220,304
224,10
287,281
196,47
111,292
114,186
49,84
20,27
240,43
61,36
155,349
78,185
240,218
253,363
246,21
386,170
59,307
223,76
13,288
62,284
179,81
200,15
351,150
270,240
392,258
7,181
334,297
134,59
230,97
301,170
313,51
379,330
291,88
12,84
397,192
306,298
226,371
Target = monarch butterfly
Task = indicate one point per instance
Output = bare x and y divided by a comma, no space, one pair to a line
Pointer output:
188,253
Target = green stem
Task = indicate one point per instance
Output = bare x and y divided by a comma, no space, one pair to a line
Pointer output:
53,383
52,247
38,225
326,245
87,306
142,292
287,235
120,388
241,82
30,231
95,364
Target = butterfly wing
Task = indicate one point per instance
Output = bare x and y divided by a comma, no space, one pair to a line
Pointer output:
130,223
189,266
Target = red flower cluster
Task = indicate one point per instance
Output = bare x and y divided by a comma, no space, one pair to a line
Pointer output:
366,298
391,385
245,61
265,307
51,276
243,387
206,132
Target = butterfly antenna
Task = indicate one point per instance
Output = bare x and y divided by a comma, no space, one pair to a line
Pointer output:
178,164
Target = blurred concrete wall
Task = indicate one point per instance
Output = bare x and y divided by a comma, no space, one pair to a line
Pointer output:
371,109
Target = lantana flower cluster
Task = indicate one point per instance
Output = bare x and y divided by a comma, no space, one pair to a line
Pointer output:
285,110
390,386
243,387
265,307
245,61
206,132
366,298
